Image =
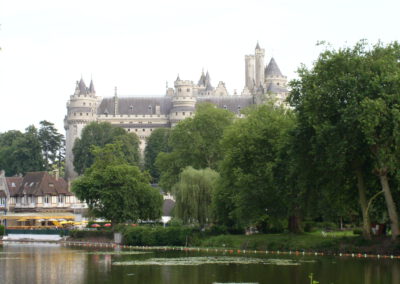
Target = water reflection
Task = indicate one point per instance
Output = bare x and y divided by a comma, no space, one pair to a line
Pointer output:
51,263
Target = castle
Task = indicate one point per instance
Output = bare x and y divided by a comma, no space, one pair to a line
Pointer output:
141,115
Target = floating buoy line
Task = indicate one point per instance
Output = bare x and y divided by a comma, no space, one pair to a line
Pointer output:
217,250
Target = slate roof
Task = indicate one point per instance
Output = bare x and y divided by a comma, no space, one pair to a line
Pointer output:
40,184
272,70
13,184
231,103
273,88
136,105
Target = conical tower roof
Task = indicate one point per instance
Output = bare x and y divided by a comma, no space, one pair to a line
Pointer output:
91,87
272,70
202,80
82,87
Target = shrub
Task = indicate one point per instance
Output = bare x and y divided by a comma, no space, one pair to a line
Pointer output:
81,234
216,230
158,236
2,230
357,231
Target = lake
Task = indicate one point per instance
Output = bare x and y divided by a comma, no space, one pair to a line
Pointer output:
53,263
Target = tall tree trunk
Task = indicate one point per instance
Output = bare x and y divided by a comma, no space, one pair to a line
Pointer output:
294,224
391,206
363,203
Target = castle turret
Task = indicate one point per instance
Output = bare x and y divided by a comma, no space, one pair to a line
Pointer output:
249,71
259,68
81,110
183,100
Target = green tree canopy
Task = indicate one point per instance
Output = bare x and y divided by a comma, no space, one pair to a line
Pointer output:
52,144
157,142
193,194
20,152
251,148
194,142
347,103
117,190
100,134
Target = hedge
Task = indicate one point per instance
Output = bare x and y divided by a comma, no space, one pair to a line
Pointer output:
159,236
81,234
2,230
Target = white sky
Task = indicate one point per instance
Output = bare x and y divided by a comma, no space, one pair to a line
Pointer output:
139,45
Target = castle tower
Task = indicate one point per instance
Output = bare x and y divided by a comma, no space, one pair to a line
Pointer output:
183,101
249,71
81,110
274,75
259,68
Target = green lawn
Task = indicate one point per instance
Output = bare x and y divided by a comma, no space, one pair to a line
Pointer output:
306,241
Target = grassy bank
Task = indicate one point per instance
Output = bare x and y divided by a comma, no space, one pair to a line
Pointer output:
333,242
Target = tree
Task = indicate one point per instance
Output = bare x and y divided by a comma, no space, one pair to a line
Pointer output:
20,152
156,143
116,190
337,102
100,134
251,148
52,143
193,195
194,142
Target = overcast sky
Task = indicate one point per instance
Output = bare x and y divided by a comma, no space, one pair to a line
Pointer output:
139,45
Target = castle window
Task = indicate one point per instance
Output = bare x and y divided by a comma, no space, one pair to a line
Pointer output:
121,115
190,113
149,122
151,129
176,113
81,114
179,90
131,108
144,130
277,84
121,122
183,113
87,114
135,130
225,107
188,90
74,113
129,130
84,104
140,122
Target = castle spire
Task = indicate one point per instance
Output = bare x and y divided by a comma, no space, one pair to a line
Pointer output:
258,45
91,87
272,69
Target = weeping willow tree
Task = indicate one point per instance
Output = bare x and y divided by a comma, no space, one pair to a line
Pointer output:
193,195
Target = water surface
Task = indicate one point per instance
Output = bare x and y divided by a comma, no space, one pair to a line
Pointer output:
52,263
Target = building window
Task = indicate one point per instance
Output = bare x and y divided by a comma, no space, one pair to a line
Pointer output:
144,130
190,113
136,130
225,107
61,199
176,113
84,104
129,130
151,129
81,114
46,199
183,113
